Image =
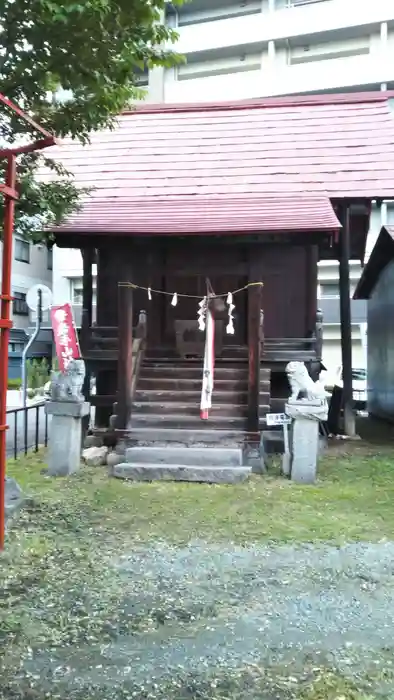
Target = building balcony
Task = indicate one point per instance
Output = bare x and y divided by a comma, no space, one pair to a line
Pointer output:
287,23
283,79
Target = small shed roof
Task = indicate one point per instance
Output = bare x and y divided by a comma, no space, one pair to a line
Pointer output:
232,158
381,255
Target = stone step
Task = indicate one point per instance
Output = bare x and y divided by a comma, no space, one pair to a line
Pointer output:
158,395
175,472
191,409
188,456
147,436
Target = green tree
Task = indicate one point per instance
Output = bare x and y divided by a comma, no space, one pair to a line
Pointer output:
37,373
93,48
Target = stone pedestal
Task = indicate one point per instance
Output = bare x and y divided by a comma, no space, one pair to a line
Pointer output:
65,435
304,447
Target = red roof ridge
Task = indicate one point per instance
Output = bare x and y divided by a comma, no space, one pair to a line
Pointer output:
264,102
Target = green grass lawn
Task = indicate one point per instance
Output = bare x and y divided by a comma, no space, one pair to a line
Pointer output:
58,546
352,500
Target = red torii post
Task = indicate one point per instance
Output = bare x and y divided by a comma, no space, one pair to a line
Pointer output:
8,190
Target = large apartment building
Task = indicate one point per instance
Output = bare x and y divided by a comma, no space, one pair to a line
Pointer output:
238,49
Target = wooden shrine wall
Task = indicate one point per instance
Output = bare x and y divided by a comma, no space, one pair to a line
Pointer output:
289,273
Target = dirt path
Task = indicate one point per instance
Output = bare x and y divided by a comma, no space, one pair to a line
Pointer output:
247,623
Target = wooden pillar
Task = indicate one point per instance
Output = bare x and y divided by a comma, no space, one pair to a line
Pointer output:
254,348
86,323
87,298
107,289
125,356
346,322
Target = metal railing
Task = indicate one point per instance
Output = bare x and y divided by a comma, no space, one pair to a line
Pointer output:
27,429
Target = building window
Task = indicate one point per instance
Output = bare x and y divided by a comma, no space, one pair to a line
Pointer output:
328,50
22,250
141,78
49,258
16,347
216,65
77,291
329,290
19,306
186,15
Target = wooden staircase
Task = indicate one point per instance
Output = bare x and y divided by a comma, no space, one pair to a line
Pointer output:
166,437
168,395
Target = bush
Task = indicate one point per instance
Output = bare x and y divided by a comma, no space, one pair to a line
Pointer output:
14,384
38,373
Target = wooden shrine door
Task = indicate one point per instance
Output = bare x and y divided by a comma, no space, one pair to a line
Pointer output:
187,265
187,307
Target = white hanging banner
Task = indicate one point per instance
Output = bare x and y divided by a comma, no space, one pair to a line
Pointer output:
209,363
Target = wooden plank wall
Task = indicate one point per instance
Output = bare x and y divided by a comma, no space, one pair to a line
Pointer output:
289,274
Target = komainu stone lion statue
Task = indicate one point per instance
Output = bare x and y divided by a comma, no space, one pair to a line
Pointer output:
302,384
67,385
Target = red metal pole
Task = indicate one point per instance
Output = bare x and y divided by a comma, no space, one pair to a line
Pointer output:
5,326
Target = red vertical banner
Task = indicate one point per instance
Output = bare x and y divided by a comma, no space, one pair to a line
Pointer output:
65,333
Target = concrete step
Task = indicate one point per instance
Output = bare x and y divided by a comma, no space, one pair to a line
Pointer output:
162,437
176,472
221,397
188,456
191,409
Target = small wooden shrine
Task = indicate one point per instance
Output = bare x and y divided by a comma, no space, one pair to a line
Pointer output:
244,198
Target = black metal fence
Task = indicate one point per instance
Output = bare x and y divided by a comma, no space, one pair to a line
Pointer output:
27,429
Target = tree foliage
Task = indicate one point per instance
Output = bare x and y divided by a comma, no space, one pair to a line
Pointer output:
93,48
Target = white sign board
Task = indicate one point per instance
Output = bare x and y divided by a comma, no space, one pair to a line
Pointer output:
277,419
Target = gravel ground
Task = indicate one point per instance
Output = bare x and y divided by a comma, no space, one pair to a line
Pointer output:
209,615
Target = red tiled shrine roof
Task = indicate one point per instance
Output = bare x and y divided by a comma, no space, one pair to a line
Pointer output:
183,216
254,166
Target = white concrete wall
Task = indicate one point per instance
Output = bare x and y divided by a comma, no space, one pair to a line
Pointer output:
67,266
332,355
274,74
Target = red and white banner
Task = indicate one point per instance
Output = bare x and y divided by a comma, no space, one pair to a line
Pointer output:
66,338
209,365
